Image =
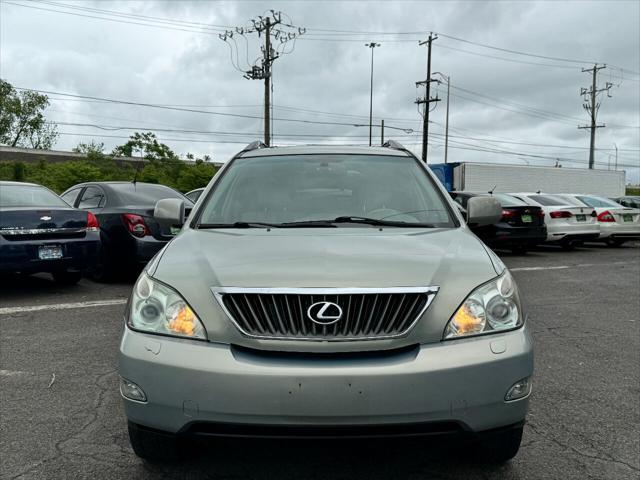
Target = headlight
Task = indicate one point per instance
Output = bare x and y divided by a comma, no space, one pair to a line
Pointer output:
157,308
491,308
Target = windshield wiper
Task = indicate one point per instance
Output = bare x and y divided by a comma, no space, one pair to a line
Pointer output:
308,224
378,222
238,225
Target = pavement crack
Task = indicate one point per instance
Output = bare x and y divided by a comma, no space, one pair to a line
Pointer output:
604,457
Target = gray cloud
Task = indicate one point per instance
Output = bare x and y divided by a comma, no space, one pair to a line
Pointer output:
69,53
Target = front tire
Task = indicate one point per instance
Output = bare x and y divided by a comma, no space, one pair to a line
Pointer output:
501,446
103,271
152,446
65,277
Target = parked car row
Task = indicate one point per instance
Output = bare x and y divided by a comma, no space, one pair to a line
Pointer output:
566,220
105,227
97,227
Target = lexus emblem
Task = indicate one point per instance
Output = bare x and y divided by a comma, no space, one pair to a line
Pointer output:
324,313
46,218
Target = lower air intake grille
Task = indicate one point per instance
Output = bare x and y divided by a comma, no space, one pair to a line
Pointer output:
325,314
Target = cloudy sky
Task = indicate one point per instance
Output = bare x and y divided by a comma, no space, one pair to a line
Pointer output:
515,69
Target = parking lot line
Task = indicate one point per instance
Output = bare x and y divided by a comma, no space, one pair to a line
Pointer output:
562,267
529,269
62,306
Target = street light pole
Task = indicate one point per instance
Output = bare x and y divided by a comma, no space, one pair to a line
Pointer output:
371,45
447,79
446,128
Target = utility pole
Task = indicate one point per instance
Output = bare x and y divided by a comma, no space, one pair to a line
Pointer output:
267,80
382,132
371,45
427,97
273,28
592,107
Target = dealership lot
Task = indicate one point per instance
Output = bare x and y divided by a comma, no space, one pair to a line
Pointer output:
61,414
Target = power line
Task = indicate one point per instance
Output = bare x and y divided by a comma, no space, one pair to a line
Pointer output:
312,135
204,28
191,110
460,146
136,15
201,132
115,20
505,59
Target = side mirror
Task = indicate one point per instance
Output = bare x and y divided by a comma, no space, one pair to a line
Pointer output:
483,211
169,211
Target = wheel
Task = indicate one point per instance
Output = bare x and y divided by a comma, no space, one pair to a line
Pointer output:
500,446
103,271
568,246
519,250
65,277
156,447
614,243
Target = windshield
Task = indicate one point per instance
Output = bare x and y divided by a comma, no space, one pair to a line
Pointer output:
598,202
304,188
509,200
144,194
548,200
29,196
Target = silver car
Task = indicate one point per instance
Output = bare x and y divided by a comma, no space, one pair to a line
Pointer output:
325,291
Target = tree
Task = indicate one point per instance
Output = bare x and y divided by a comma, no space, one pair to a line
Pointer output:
22,123
92,147
147,144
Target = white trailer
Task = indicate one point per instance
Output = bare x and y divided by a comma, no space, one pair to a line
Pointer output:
483,177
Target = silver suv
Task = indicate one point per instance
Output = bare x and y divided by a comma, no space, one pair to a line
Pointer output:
325,291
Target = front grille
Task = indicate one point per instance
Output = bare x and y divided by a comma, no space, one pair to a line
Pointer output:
286,313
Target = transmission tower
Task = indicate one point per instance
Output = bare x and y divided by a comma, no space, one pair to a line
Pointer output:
592,106
276,30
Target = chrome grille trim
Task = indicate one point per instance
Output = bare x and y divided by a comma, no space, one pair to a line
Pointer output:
40,231
396,314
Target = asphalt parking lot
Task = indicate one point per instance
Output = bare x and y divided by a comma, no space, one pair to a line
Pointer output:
61,414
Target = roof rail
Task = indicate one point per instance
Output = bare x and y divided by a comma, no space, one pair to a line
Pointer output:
395,145
254,146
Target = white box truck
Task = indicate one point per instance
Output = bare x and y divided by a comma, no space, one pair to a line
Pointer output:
483,177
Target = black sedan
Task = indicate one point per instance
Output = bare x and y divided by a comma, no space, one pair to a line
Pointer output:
130,235
520,228
631,201
39,232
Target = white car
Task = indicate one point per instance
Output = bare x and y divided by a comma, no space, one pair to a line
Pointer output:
618,224
568,224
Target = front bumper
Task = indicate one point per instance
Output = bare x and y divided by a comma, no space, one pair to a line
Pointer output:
193,383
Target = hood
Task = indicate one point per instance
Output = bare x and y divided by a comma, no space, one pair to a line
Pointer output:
197,260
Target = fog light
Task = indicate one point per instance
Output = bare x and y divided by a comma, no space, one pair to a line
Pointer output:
520,389
132,391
